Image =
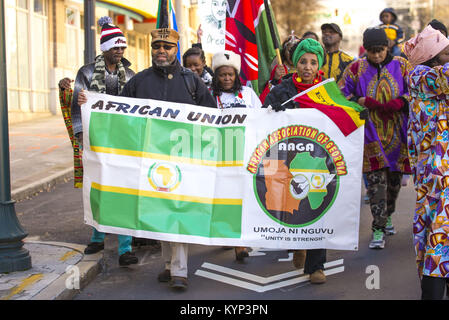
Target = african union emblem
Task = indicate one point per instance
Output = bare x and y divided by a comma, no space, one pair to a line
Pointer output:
164,176
296,171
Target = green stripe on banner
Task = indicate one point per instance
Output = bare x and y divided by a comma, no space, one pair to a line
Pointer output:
165,216
336,95
168,138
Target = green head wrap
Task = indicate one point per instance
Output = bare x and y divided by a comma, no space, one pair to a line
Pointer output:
308,46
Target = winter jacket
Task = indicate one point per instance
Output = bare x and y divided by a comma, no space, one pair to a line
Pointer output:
82,82
173,83
282,92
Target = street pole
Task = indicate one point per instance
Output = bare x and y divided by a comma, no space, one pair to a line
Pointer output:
89,31
13,257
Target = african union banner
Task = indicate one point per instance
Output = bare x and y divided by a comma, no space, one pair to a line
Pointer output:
235,177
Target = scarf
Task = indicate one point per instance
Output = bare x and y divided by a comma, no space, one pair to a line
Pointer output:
98,83
300,86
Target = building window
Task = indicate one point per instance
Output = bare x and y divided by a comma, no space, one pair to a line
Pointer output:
27,55
39,7
23,4
74,39
71,17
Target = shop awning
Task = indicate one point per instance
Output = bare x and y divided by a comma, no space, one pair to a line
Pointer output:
137,9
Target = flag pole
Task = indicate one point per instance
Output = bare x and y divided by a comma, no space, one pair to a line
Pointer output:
168,14
273,34
308,90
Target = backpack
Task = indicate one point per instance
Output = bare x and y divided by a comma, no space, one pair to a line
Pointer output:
189,79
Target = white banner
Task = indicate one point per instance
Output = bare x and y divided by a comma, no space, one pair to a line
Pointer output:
236,177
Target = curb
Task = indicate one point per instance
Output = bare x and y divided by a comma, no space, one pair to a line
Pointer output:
23,192
89,267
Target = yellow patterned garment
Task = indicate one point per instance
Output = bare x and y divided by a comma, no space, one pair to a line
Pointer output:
65,100
335,64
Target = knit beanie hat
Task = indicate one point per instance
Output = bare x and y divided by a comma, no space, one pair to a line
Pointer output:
373,37
226,58
308,46
111,35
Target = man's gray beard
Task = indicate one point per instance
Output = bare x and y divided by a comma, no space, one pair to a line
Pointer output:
162,64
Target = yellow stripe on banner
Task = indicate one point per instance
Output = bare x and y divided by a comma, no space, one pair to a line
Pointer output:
328,100
165,195
163,157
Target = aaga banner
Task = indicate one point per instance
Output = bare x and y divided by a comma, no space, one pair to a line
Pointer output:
234,177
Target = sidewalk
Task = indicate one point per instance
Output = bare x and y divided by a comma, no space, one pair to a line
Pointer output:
41,156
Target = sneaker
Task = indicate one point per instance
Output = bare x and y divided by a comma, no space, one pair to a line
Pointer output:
164,276
178,283
94,247
299,258
127,258
378,241
318,277
389,228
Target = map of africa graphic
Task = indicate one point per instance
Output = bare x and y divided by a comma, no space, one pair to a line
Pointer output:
296,187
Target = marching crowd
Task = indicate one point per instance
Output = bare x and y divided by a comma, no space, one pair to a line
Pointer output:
404,87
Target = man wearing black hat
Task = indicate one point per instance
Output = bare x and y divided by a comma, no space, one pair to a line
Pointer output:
167,80
379,82
335,60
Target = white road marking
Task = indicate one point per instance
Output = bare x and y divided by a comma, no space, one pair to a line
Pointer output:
250,276
289,258
259,279
259,288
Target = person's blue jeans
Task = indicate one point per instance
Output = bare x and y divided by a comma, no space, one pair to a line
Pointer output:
124,242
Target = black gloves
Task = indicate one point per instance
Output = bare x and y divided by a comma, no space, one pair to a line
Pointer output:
278,107
364,114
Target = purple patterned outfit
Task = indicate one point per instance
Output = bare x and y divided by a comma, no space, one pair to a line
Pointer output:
385,156
385,134
428,144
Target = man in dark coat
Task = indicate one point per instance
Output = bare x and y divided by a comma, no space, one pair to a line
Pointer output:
167,80
107,74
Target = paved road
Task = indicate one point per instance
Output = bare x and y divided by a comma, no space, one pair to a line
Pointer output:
213,272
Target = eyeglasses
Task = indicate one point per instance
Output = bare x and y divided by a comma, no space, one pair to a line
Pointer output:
157,46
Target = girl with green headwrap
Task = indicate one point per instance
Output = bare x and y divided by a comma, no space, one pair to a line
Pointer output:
307,56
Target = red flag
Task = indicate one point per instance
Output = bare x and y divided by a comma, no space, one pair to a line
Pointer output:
241,34
327,98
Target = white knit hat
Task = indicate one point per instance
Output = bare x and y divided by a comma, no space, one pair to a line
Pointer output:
226,58
111,35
